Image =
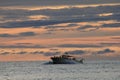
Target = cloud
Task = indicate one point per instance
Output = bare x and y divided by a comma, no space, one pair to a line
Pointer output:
7,35
113,25
78,13
111,44
23,43
22,34
79,45
72,25
51,53
88,28
105,51
5,53
37,52
53,28
22,52
31,23
76,52
60,12
53,49
58,16
22,46
39,23
27,34
52,2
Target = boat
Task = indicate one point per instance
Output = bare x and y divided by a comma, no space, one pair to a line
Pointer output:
65,59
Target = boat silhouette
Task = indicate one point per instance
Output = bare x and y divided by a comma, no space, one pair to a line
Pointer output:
65,59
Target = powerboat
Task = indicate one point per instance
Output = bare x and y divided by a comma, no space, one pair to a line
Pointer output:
65,59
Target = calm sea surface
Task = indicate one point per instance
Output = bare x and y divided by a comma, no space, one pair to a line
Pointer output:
37,70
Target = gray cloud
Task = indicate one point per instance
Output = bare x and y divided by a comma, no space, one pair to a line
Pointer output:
22,34
72,25
52,2
39,23
105,51
78,12
33,23
111,44
27,34
53,28
77,52
51,53
88,28
65,13
5,53
58,16
21,46
22,52
113,25
7,35
79,45
37,52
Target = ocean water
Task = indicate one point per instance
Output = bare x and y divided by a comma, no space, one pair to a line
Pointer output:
37,70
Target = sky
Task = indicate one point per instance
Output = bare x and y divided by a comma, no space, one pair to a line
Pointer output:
39,29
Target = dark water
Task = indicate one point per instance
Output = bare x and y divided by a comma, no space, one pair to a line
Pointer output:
92,70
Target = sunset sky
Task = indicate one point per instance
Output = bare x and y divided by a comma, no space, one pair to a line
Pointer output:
38,29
